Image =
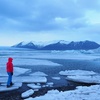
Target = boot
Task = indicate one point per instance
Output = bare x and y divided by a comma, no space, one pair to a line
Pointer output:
8,86
11,84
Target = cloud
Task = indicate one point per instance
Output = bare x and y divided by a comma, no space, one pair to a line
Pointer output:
39,15
51,18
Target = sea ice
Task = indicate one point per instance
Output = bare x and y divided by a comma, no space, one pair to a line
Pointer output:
17,71
14,87
81,93
39,74
33,86
27,79
27,93
84,79
56,78
77,72
33,62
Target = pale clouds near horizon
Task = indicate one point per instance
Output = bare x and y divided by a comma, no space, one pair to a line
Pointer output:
46,20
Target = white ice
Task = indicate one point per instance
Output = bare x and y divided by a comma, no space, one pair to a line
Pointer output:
33,86
27,93
77,72
32,62
84,79
17,71
66,55
39,74
81,93
27,79
14,87
56,78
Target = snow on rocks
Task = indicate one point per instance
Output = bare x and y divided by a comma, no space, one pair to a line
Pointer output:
81,93
33,86
77,72
39,74
27,93
84,79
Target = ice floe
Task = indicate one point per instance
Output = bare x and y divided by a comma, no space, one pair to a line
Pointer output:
34,86
81,93
82,76
84,79
13,87
56,78
38,74
26,79
27,93
50,84
17,71
77,72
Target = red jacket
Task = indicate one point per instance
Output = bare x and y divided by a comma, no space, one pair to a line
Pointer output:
9,65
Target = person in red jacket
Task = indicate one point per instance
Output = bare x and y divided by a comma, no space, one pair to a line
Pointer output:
9,69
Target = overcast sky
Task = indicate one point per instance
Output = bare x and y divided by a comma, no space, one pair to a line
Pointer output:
48,20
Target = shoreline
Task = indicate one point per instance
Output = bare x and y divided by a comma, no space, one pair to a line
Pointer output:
16,94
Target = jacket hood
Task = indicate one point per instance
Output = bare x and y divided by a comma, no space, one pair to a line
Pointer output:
10,59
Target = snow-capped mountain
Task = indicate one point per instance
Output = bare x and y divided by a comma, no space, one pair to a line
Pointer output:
26,45
59,45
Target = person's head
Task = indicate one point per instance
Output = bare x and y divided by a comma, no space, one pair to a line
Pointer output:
10,59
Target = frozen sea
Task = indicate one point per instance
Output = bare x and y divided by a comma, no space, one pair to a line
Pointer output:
50,62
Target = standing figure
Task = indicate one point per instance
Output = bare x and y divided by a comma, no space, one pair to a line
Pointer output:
9,69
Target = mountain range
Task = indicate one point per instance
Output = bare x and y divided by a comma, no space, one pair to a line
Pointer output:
59,45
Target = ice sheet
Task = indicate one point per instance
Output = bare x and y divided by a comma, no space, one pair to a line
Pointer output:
26,79
31,62
17,71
